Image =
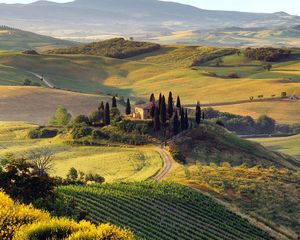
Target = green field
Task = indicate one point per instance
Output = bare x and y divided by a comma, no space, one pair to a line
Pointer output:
162,71
15,39
114,163
162,211
287,145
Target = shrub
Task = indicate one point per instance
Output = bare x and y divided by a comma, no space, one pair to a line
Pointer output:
42,133
233,75
94,178
14,215
98,134
81,120
30,52
80,132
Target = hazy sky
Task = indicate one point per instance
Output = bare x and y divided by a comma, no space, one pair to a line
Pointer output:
290,6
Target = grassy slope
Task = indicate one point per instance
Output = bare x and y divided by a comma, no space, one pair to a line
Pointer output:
287,145
162,71
210,143
162,211
13,39
267,194
37,104
114,163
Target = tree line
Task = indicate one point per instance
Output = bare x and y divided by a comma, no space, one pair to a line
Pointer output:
267,54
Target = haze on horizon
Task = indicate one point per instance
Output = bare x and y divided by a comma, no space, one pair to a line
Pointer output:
266,6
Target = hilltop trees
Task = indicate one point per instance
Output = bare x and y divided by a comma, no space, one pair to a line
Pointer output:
267,54
170,105
178,103
163,111
114,102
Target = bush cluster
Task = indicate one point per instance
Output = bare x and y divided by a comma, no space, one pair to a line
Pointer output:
42,133
267,54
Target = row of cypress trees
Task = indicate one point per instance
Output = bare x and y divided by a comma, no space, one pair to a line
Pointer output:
176,116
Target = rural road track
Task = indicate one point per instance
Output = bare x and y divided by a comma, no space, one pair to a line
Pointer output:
43,79
167,166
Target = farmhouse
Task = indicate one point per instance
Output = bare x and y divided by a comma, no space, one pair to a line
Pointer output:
143,111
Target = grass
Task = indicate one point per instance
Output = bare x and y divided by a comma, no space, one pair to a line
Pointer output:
114,163
38,104
163,71
14,39
287,145
282,111
268,194
162,211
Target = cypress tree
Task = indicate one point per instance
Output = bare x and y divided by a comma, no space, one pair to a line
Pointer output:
114,102
203,116
198,113
178,104
156,119
186,120
182,119
128,107
159,102
176,124
101,106
152,98
152,111
107,115
163,111
170,105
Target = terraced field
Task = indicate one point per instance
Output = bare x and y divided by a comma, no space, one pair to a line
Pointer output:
162,211
120,163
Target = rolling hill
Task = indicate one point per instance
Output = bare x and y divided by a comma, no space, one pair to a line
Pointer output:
37,104
18,40
88,20
162,211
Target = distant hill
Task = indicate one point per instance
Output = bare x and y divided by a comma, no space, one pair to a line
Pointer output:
211,143
143,19
115,48
15,39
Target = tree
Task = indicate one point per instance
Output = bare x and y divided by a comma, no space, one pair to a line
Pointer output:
198,113
72,174
42,160
268,66
152,111
96,117
219,62
101,107
159,102
186,120
182,119
152,98
178,103
20,179
114,102
128,107
81,120
265,124
61,117
170,105
107,115
156,119
163,111
176,124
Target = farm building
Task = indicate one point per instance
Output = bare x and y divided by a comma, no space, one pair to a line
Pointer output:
143,111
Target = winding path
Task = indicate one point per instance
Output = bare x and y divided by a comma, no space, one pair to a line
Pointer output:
167,165
43,79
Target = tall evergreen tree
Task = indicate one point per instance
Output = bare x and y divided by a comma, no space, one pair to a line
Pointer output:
182,119
152,110
159,102
128,107
178,103
101,107
186,120
198,113
156,119
170,105
163,111
114,102
107,115
176,124
152,98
